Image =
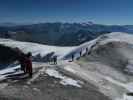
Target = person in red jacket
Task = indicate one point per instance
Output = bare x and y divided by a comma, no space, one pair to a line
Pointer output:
28,64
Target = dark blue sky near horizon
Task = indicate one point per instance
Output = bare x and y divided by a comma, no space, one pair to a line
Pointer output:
97,11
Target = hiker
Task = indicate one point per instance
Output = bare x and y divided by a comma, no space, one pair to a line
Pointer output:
21,59
28,64
55,59
87,50
80,53
72,57
49,58
22,62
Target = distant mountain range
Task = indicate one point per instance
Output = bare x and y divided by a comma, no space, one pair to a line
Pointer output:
8,24
61,34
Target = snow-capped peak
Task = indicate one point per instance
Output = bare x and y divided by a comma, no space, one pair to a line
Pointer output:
87,23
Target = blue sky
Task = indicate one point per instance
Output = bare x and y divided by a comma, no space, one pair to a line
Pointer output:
98,11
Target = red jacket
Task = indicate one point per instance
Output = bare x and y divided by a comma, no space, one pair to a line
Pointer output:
28,64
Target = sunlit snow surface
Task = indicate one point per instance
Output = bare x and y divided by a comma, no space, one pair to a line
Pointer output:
64,79
7,71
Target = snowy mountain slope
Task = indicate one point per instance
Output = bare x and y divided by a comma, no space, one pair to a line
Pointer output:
117,36
65,52
101,40
37,48
126,40
100,67
82,48
109,65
